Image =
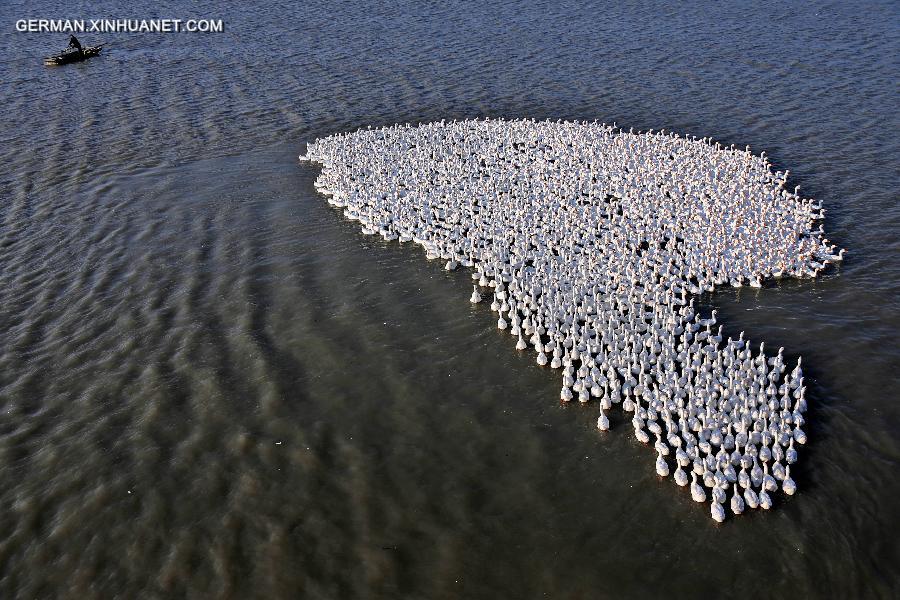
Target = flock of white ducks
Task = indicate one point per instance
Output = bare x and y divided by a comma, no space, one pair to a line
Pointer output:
591,243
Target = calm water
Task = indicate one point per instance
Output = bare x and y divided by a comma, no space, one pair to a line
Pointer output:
211,385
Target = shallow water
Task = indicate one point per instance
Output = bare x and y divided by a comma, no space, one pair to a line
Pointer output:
213,385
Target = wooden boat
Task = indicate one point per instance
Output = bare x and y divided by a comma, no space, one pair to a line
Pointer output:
70,56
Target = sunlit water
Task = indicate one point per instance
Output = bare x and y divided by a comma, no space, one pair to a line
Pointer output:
213,385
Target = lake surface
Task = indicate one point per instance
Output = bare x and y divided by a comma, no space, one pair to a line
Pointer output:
213,385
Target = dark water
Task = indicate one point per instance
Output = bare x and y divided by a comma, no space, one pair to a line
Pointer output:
211,385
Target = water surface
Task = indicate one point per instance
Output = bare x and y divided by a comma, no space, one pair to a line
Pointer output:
212,385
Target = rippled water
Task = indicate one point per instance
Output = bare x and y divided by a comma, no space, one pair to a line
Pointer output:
214,386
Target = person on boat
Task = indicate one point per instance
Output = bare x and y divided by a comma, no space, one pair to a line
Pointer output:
74,44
